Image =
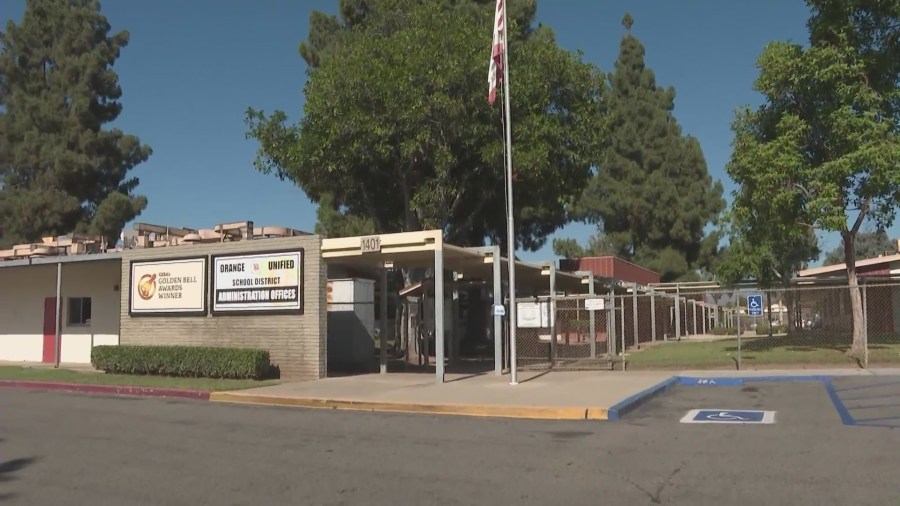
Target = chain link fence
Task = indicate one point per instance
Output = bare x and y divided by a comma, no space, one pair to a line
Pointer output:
561,338
801,326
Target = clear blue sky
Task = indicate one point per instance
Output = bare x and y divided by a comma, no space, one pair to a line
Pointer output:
193,67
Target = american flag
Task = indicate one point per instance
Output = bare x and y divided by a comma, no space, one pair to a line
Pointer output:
495,74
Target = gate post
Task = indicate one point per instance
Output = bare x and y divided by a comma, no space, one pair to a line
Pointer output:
383,312
677,312
611,321
634,315
438,314
865,307
592,327
694,303
498,320
552,309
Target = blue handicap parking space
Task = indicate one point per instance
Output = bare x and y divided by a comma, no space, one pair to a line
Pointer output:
727,416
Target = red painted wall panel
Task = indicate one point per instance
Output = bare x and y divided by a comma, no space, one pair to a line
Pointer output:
49,355
611,267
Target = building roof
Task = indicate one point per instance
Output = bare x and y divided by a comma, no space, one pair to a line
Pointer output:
61,259
76,247
867,265
416,250
612,267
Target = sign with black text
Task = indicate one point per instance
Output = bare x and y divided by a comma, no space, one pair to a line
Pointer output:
168,287
263,282
370,244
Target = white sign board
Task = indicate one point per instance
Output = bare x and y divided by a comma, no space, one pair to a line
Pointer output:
533,315
168,287
499,310
263,282
595,304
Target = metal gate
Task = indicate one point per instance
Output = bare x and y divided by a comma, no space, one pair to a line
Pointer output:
556,333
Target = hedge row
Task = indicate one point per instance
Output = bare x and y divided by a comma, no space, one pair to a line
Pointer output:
763,329
190,361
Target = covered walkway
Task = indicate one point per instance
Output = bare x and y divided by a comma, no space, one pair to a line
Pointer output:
427,250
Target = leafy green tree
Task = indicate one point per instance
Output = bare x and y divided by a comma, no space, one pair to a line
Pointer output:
652,195
397,128
830,120
60,171
569,248
769,241
333,222
868,245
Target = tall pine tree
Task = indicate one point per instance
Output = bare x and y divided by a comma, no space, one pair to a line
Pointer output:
652,196
60,171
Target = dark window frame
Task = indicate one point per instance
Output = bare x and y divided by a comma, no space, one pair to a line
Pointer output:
79,312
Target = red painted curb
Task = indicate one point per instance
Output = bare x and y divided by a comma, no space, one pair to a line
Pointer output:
108,389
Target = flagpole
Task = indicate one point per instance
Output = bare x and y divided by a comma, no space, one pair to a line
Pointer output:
510,224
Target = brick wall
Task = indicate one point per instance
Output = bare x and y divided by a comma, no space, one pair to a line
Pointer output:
297,343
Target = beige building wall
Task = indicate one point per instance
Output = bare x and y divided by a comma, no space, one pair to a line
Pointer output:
23,291
297,343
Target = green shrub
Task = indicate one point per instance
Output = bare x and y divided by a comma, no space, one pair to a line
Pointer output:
762,329
722,331
190,361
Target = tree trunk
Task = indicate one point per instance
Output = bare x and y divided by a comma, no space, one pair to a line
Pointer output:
857,348
769,307
790,301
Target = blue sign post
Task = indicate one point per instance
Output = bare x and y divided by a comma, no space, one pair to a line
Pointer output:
728,416
754,305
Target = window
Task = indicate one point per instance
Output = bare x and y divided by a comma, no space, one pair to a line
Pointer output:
79,311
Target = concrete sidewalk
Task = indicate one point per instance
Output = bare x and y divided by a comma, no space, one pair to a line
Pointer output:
595,395
539,395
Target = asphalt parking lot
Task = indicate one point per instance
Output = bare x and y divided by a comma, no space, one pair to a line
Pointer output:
73,449
869,402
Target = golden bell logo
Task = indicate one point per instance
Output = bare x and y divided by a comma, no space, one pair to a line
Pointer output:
147,286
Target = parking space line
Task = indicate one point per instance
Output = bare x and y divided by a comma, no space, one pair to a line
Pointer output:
863,387
842,410
870,397
876,406
879,419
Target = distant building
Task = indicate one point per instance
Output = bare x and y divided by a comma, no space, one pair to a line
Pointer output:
881,266
832,305
611,267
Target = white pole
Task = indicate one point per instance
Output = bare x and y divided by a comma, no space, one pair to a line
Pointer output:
510,225
438,314
57,317
383,311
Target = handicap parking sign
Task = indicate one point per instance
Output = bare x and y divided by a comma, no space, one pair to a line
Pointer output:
754,305
728,416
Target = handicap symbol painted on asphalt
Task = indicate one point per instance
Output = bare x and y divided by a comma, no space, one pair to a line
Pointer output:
725,416
728,416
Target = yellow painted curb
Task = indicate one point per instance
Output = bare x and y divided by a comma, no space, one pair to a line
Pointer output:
536,413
